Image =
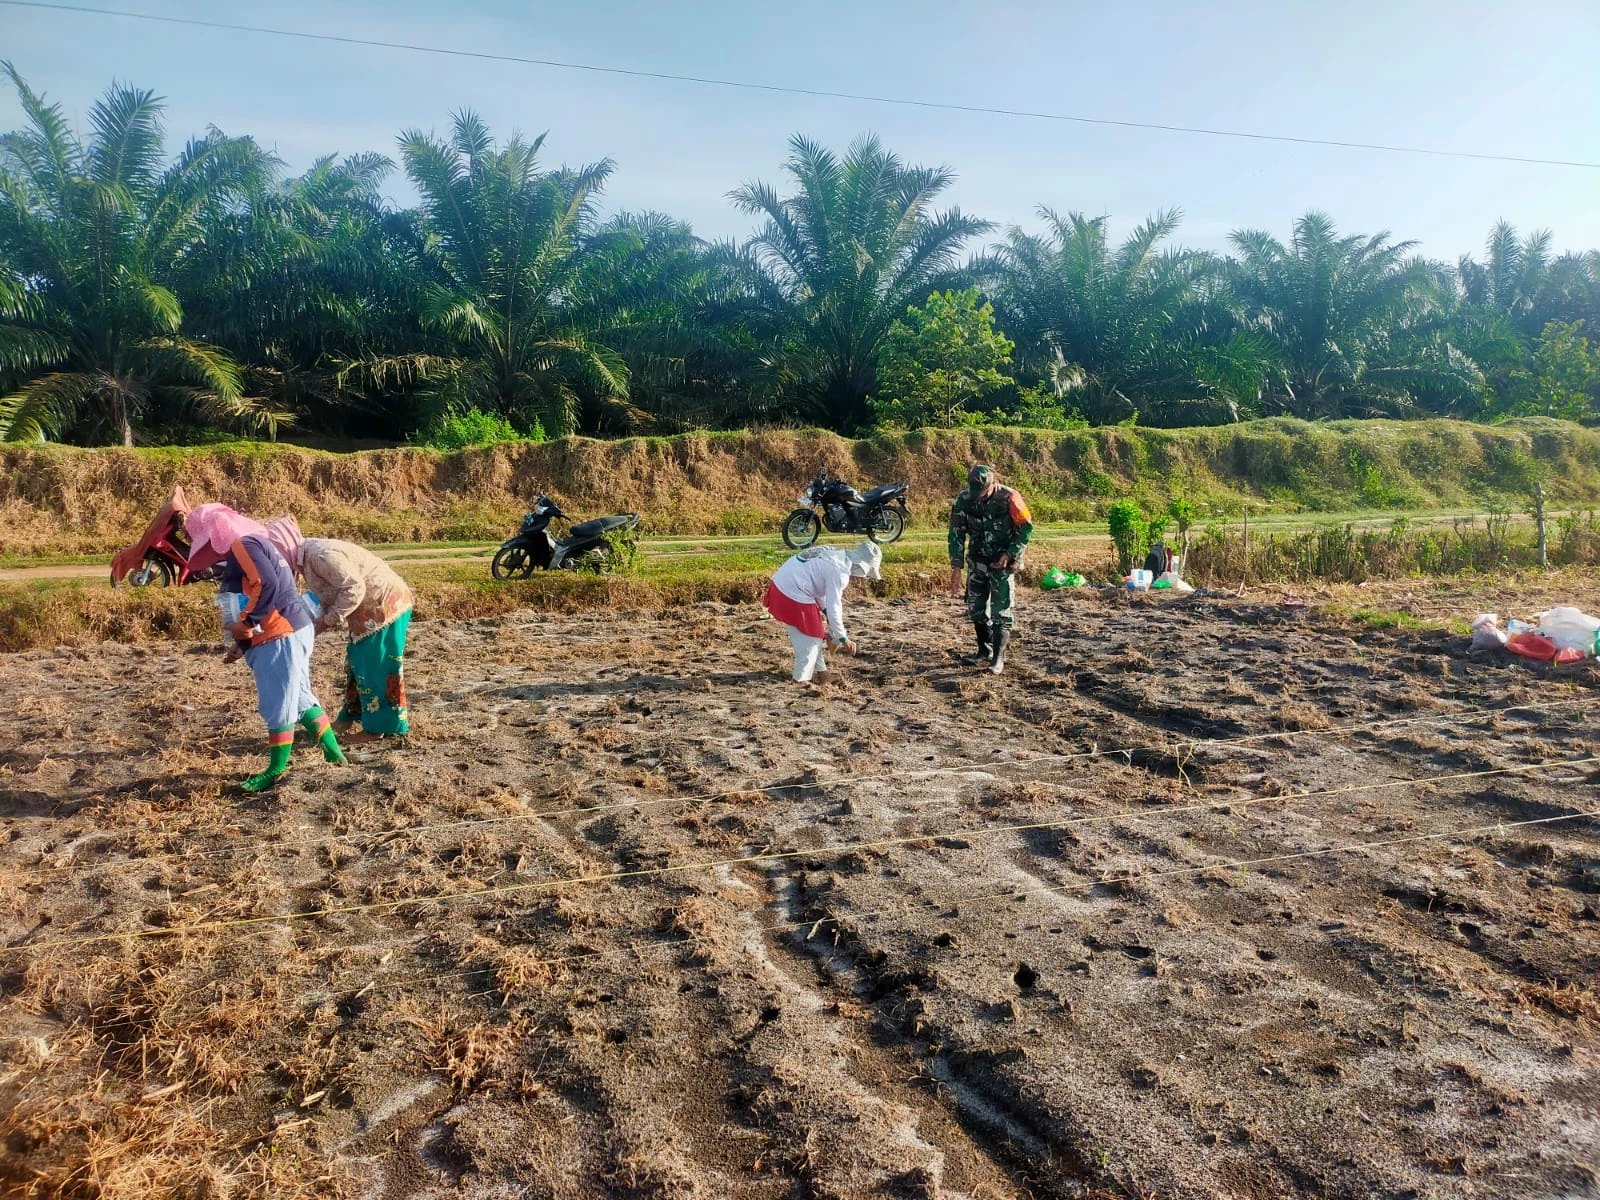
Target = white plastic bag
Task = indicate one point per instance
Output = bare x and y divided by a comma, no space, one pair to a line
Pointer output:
1486,632
1569,628
229,607
1179,585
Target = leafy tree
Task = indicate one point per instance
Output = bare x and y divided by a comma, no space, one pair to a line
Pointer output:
1120,330
1563,379
835,265
95,235
939,360
512,274
1511,298
1357,328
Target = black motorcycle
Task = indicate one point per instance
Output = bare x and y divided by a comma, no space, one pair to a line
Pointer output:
584,547
880,514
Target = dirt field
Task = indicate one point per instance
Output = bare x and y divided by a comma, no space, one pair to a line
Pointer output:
705,934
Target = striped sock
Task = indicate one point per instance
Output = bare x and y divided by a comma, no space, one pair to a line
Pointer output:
318,726
280,743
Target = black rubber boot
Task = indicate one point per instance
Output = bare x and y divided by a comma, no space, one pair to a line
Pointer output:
985,646
1002,642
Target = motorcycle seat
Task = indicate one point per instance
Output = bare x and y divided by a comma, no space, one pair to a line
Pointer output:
597,526
883,492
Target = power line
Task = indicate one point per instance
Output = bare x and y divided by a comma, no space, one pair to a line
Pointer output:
783,89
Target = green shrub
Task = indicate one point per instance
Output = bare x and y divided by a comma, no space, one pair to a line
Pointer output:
1183,512
474,427
1129,532
1098,483
622,547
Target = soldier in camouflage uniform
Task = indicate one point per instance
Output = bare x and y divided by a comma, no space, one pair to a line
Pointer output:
989,526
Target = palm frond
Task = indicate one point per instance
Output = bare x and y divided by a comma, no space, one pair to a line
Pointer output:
44,406
126,147
48,152
470,135
206,367
27,351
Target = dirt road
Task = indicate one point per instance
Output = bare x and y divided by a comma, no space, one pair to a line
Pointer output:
1077,537
633,915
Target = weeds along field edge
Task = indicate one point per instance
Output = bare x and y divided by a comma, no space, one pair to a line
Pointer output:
76,612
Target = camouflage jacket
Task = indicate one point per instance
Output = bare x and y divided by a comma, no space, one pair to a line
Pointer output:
982,530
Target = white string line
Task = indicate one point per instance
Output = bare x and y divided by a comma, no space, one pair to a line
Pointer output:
814,923
835,850
693,941
259,846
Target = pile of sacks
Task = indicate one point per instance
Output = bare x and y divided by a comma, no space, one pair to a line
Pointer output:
1561,635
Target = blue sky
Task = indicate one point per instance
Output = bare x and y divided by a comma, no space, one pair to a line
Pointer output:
1517,79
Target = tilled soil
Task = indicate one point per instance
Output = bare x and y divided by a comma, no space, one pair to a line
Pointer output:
1202,898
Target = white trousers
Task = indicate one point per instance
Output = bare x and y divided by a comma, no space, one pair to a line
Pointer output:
808,657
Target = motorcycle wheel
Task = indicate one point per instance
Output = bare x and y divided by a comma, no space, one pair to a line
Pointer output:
152,572
887,526
511,562
801,528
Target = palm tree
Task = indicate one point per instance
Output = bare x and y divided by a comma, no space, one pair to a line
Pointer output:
1512,277
96,234
836,264
1357,327
510,271
1520,280
316,274
1118,331
665,307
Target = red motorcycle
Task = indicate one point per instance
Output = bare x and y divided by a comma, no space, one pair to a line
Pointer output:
162,556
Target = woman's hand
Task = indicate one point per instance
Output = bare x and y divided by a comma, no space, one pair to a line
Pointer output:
240,631
849,648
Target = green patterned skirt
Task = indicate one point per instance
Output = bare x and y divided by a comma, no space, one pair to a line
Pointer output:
375,688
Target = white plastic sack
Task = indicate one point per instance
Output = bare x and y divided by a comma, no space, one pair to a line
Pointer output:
1486,632
1180,586
1569,628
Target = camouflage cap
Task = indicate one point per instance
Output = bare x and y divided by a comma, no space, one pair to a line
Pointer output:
980,477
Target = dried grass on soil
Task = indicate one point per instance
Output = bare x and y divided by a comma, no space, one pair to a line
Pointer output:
1108,1009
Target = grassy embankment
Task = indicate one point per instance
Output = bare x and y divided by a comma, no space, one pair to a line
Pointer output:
58,500
82,503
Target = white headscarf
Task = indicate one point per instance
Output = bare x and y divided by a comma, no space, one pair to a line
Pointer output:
866,561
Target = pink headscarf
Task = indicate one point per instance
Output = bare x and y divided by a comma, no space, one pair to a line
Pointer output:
218,527
284,533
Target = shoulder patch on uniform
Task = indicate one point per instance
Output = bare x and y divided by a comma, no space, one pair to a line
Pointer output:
1019,509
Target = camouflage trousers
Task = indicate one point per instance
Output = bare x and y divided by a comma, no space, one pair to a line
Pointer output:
989,596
